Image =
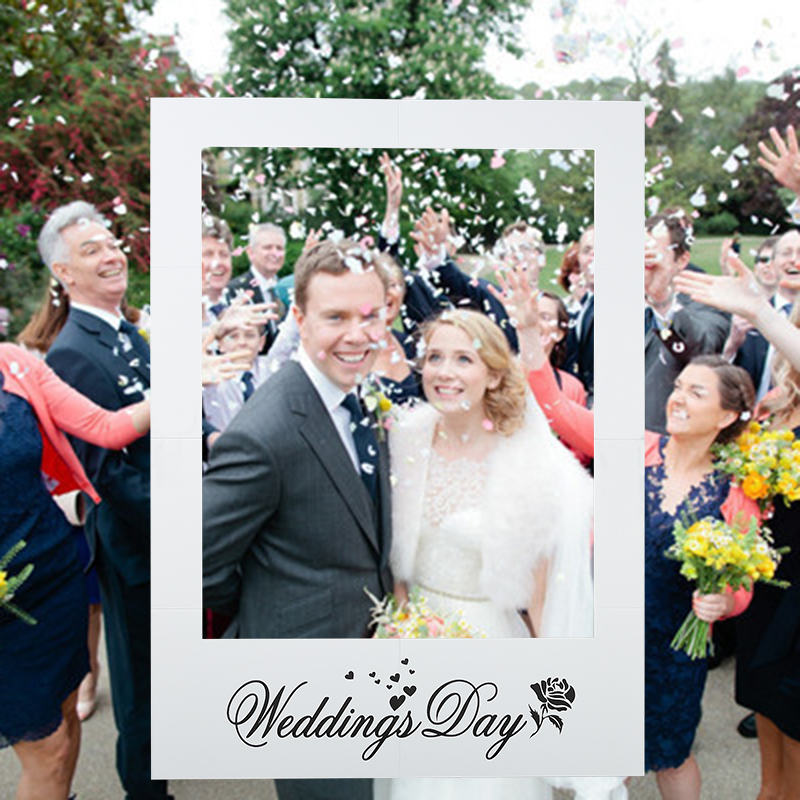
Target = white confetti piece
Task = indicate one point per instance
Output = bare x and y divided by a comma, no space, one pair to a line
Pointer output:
21,67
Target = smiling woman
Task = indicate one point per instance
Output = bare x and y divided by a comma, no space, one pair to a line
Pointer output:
710,402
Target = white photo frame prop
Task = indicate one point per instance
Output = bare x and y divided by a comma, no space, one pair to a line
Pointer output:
197,683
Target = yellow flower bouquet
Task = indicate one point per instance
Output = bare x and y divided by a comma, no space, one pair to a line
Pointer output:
764,462
9,584
717,555
414,619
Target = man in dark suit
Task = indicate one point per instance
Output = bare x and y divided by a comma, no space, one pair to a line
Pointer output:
676,328
296,505
267,252
580,338
105,358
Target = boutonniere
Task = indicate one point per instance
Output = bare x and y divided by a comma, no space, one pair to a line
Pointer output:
380,407
145,334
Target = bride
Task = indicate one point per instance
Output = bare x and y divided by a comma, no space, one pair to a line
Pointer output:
491,516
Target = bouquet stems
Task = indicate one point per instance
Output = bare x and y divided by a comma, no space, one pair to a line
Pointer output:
693,637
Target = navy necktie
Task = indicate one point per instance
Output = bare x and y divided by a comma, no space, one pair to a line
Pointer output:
649,320
366,444
247,385
136,339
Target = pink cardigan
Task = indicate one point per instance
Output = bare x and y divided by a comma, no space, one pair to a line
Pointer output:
60,409
736,503
572,423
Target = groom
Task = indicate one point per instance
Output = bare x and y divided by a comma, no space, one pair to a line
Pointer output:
296,509
296,513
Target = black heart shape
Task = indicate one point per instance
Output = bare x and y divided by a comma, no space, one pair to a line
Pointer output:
395,677
404,661
349,676
409,690
377,680
411,671
396,701
372,674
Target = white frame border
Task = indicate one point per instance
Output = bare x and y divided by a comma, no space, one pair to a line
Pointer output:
192,678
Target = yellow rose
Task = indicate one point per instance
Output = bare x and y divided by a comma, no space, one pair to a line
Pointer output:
754,486
766,568
384,403
3,585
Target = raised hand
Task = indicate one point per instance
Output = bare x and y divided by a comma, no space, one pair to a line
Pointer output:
431,235
393,178
783,163
241,313
314,238
218,368
738,292
519,299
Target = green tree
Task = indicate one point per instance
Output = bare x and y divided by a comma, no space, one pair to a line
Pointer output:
764,201
389,49
75,84
305,189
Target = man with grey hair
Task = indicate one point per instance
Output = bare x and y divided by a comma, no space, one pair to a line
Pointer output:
267,252
105,358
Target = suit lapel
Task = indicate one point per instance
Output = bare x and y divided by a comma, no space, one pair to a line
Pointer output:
317,428
110,339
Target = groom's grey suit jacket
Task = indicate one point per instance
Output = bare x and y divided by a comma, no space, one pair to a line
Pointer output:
291,537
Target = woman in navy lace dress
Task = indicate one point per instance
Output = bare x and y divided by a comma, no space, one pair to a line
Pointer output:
42,665
706,406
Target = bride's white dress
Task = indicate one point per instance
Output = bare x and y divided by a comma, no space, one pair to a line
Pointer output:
468,536
447,574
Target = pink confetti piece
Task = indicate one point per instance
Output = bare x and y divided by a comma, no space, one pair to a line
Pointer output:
742,71
260,179
366,309
651,118
497,160
488,425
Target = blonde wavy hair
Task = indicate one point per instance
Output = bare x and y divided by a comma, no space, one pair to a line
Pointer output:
505,404
786,378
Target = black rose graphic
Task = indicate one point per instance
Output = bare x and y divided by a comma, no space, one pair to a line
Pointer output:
555,694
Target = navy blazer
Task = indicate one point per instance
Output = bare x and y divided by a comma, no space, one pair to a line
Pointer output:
580,352
101,364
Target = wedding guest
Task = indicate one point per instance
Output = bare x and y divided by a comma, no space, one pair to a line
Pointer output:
37,337
580,342
676,328
217,265
267,253
709,404
394,366
768,635
570,279
43,664
768,665
223,400
490,514
102,355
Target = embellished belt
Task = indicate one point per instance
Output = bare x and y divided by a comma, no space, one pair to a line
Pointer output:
452,596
